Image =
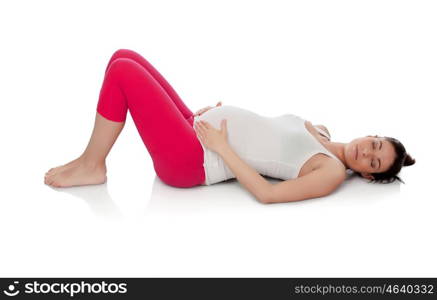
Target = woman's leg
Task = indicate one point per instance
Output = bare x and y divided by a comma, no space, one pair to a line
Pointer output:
90,167
126,53
171,141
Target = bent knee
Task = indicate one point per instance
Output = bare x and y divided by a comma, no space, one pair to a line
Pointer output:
120,53
122,63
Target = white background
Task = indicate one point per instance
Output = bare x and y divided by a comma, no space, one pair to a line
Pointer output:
358,67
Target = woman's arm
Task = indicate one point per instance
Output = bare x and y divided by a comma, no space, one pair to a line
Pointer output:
245,174
319,182
217,140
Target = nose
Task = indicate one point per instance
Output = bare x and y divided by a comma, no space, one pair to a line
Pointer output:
365,152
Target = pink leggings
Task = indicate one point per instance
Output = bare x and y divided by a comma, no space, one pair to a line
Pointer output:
164,122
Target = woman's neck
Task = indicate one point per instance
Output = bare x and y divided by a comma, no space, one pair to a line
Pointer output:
338,149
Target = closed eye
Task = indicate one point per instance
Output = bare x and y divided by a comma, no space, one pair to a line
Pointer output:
379,160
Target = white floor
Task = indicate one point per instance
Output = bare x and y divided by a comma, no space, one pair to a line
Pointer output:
134,225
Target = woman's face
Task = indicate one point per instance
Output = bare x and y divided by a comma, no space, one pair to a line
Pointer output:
370,154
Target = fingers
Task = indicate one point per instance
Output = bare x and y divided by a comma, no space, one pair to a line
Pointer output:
199,126
198,129
202,126
200,111
205,124
223,125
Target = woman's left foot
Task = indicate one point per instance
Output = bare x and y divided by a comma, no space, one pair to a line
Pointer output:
76,174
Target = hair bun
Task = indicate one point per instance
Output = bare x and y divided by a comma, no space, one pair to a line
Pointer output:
408,161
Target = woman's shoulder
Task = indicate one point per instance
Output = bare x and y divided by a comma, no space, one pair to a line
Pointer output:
325,166
325,178
323,131
333,168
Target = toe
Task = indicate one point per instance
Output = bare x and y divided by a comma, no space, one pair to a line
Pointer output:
56,184
53,170
51,179
46,179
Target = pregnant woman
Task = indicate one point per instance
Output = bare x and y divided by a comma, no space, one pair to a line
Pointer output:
223,142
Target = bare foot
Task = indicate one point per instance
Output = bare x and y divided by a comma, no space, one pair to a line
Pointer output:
76,173
61,167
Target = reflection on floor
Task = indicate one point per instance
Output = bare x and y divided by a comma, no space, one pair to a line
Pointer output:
228,195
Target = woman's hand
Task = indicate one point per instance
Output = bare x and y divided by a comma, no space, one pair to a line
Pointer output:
210,137
201,111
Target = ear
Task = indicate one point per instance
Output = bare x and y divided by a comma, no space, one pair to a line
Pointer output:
367,176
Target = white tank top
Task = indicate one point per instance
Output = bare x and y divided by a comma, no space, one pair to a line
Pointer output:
277,147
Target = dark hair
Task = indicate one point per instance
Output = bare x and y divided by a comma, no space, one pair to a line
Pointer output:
402,159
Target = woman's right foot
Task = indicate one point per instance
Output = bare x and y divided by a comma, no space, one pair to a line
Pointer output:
75,173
